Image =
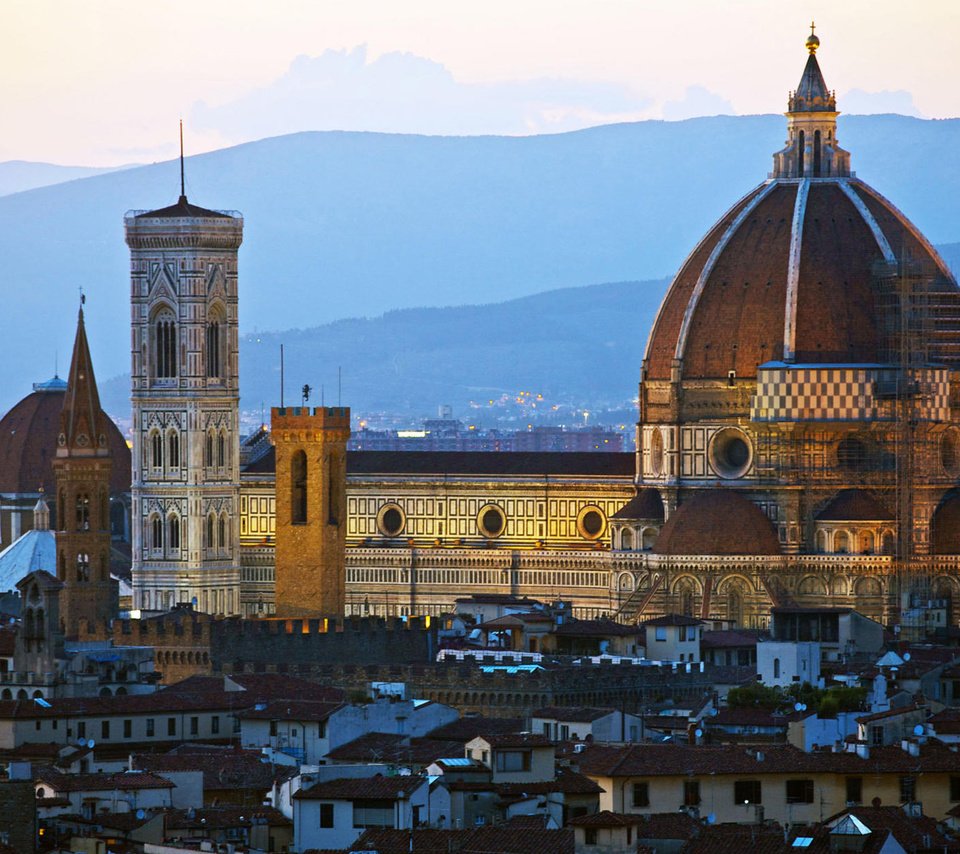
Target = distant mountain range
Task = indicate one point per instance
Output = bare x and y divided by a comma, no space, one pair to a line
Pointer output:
17,176
362,225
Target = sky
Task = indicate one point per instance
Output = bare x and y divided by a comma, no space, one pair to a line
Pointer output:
103,82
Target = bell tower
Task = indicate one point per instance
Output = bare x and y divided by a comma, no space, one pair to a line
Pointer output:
82,468
311,521
185,393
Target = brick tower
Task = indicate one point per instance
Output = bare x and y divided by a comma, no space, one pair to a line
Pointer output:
185,392
311,475
82,467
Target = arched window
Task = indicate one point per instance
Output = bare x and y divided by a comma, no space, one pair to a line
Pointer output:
222,532
211,542
841,542
801,153
776,668
156,539
298,489
208,451
83,566
83,512
156,450
174,535
214,352
816,154
165,345
221,450
173,449
626,539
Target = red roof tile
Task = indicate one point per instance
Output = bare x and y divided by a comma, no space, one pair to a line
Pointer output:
348,788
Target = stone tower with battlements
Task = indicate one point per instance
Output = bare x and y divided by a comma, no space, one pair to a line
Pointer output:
82,467
185,393
311,524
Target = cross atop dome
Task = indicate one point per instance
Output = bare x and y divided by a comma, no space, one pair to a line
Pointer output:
812,150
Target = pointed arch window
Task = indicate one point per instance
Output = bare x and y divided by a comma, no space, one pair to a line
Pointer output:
165,345
222,532
208,451
83,512
211,541
173,449
83,566
816,154
221,450
156,533
156,450
801,153
173,537
214,348
298,489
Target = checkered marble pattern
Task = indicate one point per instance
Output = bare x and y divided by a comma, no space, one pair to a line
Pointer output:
845,393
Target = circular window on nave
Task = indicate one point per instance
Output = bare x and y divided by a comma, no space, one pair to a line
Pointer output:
391,520
491,521
591,522
730,452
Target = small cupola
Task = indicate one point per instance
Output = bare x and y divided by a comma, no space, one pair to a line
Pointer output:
812,150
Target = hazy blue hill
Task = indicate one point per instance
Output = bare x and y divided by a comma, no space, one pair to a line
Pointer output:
356,225
16,176
580,345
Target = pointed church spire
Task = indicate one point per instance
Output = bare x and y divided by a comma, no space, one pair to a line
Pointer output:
812,150
81,420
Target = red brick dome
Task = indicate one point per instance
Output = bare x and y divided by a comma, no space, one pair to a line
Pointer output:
775,280
946,526
717,522
28,443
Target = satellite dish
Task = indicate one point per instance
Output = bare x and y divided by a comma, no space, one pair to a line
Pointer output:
698,733
91,744
918,729
711,819
906,656
141,815
803,707
81,742
798,707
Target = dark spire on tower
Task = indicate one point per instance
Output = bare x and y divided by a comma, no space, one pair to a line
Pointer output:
812,94
81,419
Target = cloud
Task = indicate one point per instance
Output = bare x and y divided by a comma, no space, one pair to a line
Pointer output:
697,101
405,93
870,103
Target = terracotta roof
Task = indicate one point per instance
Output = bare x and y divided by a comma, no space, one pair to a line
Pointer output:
607,819
913,833
469,727
668,825
209,818
889,713
729,638
946,722
122,781
646,504
854,505
673,759
292,710
506,464
753,717
579,714
717,521
161,701
222,768
28,443
503,839
673,620
517,739
348,788
724,838
390,747
566,781
595,628
945,524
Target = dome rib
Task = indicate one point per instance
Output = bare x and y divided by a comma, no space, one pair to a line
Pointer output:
793,269
882,243
711,263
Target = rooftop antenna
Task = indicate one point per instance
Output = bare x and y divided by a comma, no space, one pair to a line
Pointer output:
281,376
183,191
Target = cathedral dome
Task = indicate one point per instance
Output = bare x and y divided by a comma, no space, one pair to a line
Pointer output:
791,271
717,522
28,443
